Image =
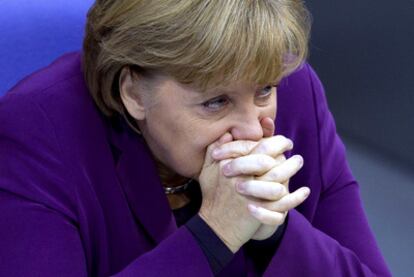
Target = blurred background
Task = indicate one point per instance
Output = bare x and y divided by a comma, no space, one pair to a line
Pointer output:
363,51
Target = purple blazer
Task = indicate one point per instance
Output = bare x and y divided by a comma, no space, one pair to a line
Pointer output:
80,196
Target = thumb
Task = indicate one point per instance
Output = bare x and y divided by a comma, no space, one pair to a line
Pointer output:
268,126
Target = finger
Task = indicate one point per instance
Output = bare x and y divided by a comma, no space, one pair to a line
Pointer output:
234,149
290,201
256,164
268,126
273,146
225,138
284,171
266,216
264,232
280,159
263,190
241,148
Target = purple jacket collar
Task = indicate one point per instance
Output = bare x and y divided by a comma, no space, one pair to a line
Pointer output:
138,176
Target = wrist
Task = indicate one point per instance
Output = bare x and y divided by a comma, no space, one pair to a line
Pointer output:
233,246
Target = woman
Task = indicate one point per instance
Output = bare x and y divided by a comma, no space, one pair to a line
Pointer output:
154,151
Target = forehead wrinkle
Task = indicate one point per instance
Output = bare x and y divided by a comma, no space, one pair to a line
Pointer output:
232,89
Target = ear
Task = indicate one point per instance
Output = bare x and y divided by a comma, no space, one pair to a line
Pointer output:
131,95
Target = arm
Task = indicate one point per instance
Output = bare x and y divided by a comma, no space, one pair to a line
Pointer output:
39,227
37,240
337,241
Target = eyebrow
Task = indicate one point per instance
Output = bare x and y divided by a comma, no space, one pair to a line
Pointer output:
213,91
225,91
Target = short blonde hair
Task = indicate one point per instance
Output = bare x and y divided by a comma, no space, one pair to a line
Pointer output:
204,43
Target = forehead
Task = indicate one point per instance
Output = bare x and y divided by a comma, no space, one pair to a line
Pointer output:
233,88
228,88
169,89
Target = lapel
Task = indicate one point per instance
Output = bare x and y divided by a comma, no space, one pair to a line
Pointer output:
137,174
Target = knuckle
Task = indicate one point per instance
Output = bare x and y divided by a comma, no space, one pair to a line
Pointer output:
284,190
263,178
245,147
265,147
265,160
276,219
258,159
257,189
269,192
227,148
223,163
274,191
280,159
274,174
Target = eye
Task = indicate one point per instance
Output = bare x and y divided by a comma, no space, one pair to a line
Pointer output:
265,92
216,103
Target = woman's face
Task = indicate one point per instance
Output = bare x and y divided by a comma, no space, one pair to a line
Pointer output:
178,122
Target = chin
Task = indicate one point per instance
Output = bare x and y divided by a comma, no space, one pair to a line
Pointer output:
189,170
191,173
186,165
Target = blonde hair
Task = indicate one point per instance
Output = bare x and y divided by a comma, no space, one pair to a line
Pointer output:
204,43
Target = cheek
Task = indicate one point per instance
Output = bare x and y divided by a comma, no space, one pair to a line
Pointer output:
192,150
271,109
271,113
182,151
199,143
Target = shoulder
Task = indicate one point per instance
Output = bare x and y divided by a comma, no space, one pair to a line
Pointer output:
65,67
53,103
47,121
299,96
301,89
51,92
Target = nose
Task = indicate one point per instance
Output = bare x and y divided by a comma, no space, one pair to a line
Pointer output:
248,127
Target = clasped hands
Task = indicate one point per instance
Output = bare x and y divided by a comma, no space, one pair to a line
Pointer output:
245,187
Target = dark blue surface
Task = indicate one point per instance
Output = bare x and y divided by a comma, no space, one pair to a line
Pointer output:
35,32
363,53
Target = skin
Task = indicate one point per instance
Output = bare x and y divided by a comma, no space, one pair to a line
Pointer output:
178,126
222,138
225,211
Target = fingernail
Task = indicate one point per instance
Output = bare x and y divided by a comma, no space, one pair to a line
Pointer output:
306,192
253,209
216,153
241,187
227,169
299,159
277,190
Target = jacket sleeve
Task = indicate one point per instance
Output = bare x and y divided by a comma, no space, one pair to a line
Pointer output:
39,228
337,241
36,240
